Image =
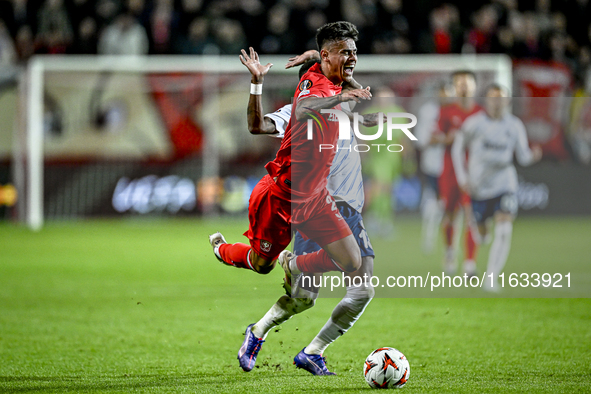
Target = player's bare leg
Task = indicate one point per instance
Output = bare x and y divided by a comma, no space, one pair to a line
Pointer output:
448,225
239,255
342,255
499,250
343,317
472,241
432,214
347,312
255,334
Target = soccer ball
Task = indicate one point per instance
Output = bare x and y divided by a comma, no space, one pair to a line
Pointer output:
385,368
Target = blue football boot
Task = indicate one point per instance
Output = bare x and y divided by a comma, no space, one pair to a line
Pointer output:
247,355
312,363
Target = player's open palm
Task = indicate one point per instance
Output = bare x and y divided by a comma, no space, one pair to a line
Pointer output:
301,59
373,119
356,95
251,61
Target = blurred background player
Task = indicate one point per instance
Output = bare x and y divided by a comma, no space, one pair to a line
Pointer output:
431,164
383,168
346,185
451,118
491,137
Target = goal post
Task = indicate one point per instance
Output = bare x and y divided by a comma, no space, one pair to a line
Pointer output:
40,66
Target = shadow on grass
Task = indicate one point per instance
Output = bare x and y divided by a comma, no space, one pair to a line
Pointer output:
198,382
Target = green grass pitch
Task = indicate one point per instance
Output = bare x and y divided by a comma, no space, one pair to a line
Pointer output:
142,306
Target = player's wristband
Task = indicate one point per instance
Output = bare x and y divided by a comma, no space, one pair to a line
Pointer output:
256,88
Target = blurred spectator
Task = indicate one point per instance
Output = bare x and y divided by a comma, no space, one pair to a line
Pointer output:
7,15
197,41
25,45
280,38
445,35
55,30
125,36
106,11
190,10
163,21
25,14
526,33
79,10
252,17
390,33
138,9
7,49
229,36
86,37
480,38
314,20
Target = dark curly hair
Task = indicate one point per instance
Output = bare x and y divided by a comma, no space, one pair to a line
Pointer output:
335,31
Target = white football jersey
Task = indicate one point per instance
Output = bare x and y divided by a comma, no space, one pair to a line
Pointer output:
427,123
491,144
345,182
281,119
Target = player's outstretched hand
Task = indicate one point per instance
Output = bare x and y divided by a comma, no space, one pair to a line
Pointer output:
303,58
253,64
450,136
371,120
537,152
356,95
465,188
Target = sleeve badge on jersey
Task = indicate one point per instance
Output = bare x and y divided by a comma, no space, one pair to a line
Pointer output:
306,84
266,246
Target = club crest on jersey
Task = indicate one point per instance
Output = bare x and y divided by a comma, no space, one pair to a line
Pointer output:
266,246
306,84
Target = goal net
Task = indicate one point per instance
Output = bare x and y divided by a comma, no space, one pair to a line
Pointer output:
120,136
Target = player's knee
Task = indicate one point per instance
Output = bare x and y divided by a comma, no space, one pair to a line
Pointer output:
353,263
260,264
361,295
263,268
303,304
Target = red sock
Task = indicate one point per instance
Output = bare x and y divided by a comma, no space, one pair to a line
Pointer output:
470,245
317,262
235,254
449,234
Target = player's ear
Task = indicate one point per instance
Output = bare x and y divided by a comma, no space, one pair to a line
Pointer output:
323,54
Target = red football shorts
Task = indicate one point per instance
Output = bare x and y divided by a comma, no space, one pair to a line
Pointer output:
319,219
269,216
450,193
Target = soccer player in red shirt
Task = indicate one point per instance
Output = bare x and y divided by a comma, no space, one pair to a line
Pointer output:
450,121
294,191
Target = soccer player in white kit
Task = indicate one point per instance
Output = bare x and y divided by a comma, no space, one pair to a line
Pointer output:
431,164
345,184
491,137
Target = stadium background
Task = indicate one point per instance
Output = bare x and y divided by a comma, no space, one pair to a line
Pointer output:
131,136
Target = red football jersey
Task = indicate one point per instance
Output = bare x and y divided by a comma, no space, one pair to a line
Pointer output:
451,117
300,164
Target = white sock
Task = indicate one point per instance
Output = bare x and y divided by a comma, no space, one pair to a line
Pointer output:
344,315
327,335
280,312
293,266
432,214
499,250
458,227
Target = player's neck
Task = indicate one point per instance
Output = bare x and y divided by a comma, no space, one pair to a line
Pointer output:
335,79
466,103
495,116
